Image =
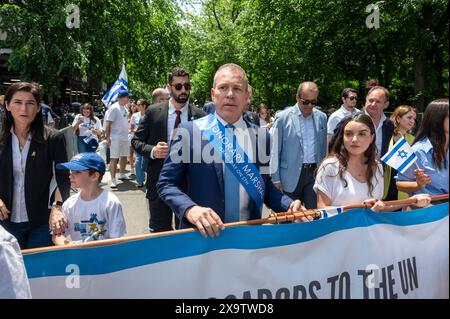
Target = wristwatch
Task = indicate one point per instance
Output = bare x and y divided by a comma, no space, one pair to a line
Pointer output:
57,204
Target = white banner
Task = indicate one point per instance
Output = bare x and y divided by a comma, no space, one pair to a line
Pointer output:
357,254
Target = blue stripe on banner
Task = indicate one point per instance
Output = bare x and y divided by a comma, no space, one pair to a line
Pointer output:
107,259
388,156
405,165
324,213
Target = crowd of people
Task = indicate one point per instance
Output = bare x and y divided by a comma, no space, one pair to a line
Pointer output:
316,161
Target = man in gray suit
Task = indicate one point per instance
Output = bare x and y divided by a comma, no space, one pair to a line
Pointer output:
300,131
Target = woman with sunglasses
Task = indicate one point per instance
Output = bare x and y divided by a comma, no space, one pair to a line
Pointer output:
352,174
88,129
264,116
404,120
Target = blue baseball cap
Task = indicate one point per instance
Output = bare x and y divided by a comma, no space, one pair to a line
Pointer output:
84,161
123,93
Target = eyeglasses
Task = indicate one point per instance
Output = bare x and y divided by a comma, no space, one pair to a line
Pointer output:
351,98
179,86
307,102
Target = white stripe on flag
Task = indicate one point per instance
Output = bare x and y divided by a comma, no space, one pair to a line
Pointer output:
121,83
331,211
401,156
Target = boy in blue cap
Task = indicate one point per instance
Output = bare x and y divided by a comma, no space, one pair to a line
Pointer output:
92,213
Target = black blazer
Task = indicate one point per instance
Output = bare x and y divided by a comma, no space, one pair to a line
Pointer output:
153,129
41,159
387,130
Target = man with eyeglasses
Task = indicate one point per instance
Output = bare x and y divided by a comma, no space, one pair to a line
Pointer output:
301,134
349,98
153,135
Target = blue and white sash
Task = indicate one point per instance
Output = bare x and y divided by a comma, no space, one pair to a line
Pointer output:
236,160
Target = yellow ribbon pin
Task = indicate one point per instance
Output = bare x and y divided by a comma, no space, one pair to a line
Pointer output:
33,154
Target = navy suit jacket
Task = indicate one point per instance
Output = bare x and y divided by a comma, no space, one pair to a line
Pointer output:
205,182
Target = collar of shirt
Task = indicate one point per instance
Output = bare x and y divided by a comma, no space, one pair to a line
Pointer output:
28,136
347,112
425,144
297,111
380,124
183,110
239,124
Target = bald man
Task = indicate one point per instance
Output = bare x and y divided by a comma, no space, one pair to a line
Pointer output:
301,131
160,95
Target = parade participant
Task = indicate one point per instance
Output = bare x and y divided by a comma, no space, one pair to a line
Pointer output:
88,129
93,213
431,148
214,192
152,138
353,174
30,191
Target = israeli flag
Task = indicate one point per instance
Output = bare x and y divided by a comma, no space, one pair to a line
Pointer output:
330,212
401,156
122,83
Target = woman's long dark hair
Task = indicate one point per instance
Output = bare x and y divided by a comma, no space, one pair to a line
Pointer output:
433,127
339,151
88,106
37,130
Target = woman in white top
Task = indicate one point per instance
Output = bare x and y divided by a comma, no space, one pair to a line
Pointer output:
352,174
88,128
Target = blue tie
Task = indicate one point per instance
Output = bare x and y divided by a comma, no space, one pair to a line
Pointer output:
232,207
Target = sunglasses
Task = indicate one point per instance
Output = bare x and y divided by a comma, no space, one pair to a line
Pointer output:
307,102
179,86
353,98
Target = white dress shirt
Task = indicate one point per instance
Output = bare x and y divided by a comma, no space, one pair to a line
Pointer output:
19,209
243,139
378,132
308,138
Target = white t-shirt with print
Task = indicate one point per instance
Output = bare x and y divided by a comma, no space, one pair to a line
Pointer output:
329,182
88,125
118,115
100,218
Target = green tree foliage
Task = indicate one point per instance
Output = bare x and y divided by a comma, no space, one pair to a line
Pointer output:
281,43
144,32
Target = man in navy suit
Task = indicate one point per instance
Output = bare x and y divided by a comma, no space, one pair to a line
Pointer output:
215,191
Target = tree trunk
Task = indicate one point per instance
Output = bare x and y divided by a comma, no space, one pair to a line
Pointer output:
420,70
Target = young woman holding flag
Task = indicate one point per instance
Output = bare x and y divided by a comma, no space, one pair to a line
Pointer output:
430,175
352,173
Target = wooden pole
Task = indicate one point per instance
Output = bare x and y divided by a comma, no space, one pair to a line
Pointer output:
277,218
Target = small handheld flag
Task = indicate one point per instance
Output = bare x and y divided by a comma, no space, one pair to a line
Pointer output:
121,83
401,156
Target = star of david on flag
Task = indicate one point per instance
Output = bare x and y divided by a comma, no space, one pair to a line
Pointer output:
401,156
